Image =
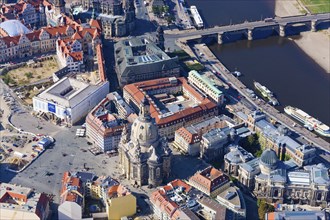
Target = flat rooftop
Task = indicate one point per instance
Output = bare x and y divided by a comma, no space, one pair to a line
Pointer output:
231,196
136,51
68,92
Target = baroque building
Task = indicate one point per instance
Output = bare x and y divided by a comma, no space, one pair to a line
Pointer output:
117,16
145,157
277,181
30,12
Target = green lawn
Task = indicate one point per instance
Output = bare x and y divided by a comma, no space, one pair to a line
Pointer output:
317,6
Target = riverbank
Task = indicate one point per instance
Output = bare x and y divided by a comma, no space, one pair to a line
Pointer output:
316,45
288,8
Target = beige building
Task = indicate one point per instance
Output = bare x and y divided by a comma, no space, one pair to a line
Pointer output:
17,45
120,202
188,139
18,202
210,181
104,126
204,84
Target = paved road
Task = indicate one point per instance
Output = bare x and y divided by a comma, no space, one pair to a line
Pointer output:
260,104
247,25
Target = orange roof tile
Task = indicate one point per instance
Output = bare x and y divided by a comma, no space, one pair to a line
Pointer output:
136,90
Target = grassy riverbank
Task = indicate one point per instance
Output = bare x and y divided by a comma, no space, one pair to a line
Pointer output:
317,6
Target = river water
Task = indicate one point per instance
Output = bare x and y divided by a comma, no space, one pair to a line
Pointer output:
220,12
278,63
284,68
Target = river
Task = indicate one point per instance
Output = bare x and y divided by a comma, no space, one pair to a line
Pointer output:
221,12
279,64
275,62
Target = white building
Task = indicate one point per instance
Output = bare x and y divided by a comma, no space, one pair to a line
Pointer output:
70,54
69,99
187,140
233,200
206,86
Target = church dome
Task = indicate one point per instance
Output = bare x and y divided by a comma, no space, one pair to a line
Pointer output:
269,158
144,132
144,129
14,28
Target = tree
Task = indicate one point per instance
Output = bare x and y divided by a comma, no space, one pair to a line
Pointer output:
258,153
251,140
287,157
263,208
29,75
156,10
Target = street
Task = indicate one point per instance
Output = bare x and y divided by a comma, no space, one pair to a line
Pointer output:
270,111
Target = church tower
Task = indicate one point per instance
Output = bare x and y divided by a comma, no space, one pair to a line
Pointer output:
160,38
59,6
130,16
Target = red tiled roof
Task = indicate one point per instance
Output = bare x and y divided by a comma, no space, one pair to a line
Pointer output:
100,62
96,23
210,178
159,198
191,138
70,181
136,90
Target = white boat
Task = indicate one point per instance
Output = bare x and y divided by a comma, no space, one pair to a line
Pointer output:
309,122
196,16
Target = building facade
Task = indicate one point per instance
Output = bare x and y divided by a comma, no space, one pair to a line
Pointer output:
187,142
213,144
72,199
232,160
103,126
278,181
278,139
204,84
188,139
17,202
117,17
29,12
69,100
174,103
145,157
44,40
70,55
210,181
165,204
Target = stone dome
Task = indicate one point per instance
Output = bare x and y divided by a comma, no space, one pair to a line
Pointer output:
234,157
14,28
144,132
269,158
144,129
268,161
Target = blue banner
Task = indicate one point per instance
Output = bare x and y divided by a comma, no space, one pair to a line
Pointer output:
51,108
